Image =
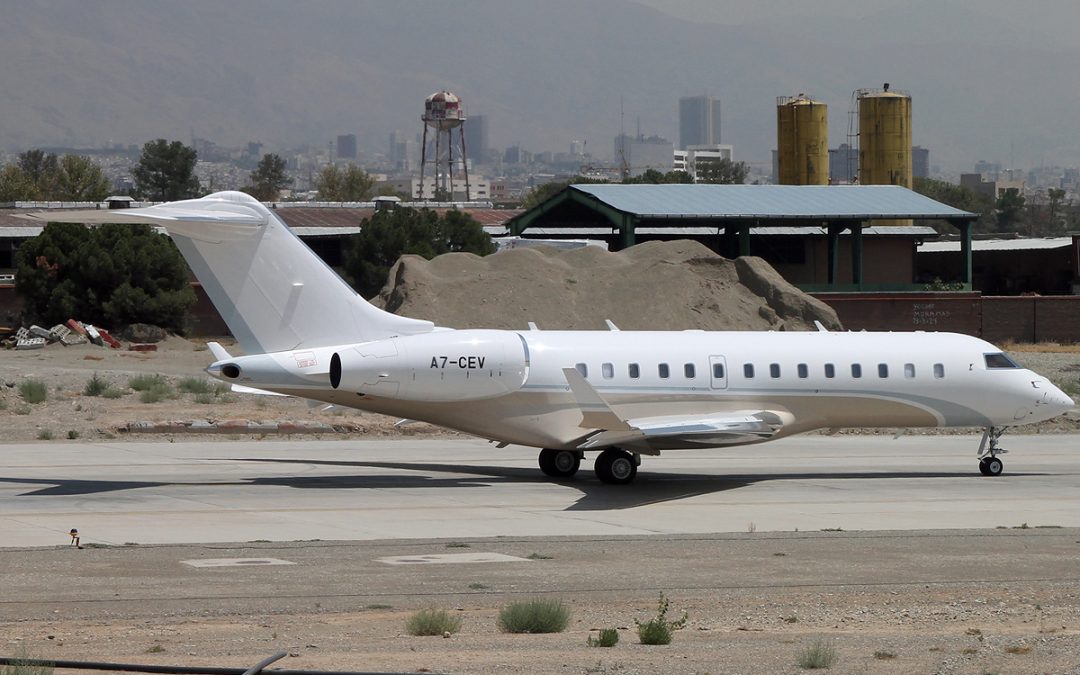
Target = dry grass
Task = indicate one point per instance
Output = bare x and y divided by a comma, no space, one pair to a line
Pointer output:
1041,347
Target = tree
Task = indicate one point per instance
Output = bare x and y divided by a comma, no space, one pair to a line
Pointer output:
166,171
720,170
654,177
958,197
111,275
1010,210
268,179
388,235
351,184
80,180
42,168
16,185
541,193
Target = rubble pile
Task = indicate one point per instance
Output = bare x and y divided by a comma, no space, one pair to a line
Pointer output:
70,334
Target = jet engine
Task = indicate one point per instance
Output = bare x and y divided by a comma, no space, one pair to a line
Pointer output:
459,365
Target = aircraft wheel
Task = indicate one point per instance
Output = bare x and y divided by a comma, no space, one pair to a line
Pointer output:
991,466
559,463
615,467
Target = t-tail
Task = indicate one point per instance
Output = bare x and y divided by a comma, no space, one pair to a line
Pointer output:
274,293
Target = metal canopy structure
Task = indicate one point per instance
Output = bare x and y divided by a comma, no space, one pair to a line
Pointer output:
736,208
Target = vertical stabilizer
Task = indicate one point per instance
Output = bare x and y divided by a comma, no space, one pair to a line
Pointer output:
273,292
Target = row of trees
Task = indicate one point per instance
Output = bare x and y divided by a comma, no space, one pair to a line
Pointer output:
709,170
42,176
1040,216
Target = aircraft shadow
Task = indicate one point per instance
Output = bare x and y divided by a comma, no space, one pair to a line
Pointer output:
647,489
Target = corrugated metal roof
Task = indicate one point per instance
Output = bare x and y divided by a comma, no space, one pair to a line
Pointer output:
998,245
913,231
818,202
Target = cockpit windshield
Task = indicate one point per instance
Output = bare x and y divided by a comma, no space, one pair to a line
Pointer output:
999,361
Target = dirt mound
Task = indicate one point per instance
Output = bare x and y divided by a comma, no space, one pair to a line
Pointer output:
673,285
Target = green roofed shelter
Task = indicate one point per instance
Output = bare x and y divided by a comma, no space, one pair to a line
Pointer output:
735,210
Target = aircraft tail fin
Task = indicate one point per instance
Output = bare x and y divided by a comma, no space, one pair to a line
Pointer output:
273,292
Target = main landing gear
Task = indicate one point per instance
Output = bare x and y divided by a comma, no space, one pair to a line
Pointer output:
613,466
989,462
560,463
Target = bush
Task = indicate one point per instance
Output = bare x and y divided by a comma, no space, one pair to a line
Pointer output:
658,630
33,391
152,388
112,274
432,622
45,435
24,664
195,385
112,393
95,386
609,637
817,656
534,616
72,434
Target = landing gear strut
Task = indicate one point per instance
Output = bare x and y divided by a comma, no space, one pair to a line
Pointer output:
989,462
616,466
560,463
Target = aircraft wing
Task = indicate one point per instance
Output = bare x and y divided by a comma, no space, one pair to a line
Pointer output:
651,434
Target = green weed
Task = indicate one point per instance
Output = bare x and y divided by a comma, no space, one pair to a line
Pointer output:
658,630
817,656
432,622
33,391
45,435
534,616
609,637
95,386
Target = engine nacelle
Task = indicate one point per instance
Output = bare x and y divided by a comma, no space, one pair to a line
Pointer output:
457,365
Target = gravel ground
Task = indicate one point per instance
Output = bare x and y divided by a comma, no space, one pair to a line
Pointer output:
943,602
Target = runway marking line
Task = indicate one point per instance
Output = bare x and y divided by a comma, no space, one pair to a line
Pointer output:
235,562
450,559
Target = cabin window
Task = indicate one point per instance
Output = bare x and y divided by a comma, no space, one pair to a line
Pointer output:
748,370
583,369
688,371
882,370
664,371
830,370
607,370
774,370
999,361
634,371
856,370
718,371
804,371
909,371
939,370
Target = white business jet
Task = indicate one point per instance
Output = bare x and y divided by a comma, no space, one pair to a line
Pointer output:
624,394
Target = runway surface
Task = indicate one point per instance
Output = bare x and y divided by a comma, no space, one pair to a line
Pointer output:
240,491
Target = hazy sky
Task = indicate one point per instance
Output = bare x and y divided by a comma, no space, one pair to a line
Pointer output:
997,80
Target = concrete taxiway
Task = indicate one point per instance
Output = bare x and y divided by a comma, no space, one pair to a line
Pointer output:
237,491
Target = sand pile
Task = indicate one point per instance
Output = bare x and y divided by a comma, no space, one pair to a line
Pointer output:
672,285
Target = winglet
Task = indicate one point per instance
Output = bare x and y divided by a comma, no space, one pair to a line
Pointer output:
821,327
218,351
595,412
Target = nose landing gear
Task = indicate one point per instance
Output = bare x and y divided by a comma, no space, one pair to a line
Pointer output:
989,462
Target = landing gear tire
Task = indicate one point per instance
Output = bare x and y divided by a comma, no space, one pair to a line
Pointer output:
991,466
559,463
615,467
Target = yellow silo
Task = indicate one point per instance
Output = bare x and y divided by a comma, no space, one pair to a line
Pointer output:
884,137
802,129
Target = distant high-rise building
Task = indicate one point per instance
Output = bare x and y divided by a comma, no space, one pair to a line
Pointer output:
843,164
476,136
699,121
920,162
634,155
346,147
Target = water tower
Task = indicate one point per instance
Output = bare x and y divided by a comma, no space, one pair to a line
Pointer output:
444,114
802,128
